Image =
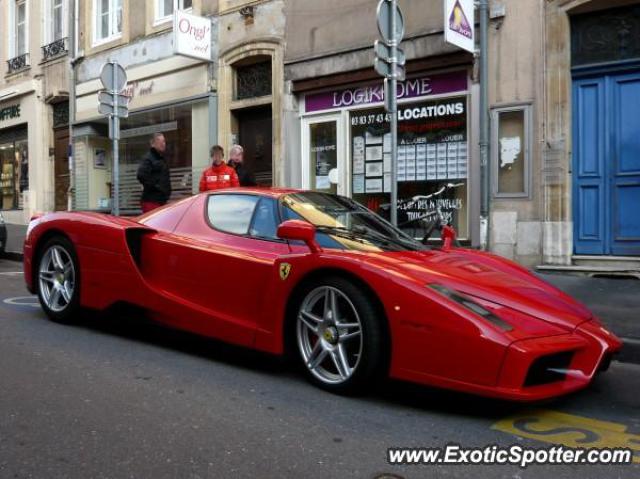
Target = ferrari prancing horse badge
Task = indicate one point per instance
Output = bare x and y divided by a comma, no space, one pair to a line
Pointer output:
285,269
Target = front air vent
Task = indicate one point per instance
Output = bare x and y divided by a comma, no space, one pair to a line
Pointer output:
549,369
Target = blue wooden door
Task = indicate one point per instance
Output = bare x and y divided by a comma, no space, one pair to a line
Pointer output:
606,167
625,164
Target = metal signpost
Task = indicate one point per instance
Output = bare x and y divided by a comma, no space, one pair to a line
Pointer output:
389,63
114,105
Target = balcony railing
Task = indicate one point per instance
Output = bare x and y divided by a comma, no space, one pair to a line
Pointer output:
54,49
18,63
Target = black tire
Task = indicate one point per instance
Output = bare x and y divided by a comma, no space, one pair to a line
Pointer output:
374,344
70,312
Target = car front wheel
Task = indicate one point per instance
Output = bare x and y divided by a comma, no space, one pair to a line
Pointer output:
58,280
340,336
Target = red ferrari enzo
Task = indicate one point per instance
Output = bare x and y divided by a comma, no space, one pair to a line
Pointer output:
321,277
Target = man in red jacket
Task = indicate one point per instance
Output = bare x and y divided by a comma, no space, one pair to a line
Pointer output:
219,174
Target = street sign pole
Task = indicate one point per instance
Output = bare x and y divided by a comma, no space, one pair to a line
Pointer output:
116,156
393,105
389,63
114,79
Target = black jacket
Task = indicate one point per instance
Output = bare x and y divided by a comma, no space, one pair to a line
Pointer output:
153,173
245,176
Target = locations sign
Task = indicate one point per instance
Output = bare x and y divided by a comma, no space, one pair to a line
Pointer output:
459,24
192,36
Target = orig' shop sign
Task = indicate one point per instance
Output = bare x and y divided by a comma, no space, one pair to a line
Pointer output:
192,35
423,86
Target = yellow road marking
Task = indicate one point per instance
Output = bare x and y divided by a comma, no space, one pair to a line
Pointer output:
569,430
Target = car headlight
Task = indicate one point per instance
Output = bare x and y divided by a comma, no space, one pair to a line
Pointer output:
471,305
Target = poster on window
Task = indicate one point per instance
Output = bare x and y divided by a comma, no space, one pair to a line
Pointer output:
323,155
431,167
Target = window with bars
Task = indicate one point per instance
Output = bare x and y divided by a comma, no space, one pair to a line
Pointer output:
165,8
253,81
108,20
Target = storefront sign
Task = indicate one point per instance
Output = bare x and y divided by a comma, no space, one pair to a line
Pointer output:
459,24
10,112
137,88
374,93
192,36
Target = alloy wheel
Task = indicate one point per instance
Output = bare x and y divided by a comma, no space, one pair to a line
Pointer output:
329,335
57,278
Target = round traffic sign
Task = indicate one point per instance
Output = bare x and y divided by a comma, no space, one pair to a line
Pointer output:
113,80
384,14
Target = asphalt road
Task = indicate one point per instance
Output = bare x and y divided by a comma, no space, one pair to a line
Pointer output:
117,398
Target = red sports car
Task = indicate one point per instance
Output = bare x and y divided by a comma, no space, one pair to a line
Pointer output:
321,277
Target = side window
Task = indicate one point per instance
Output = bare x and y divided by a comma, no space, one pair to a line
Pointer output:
231,213
264,220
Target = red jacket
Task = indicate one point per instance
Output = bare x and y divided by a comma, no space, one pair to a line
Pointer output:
218,177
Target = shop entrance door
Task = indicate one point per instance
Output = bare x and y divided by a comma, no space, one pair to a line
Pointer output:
607,164
324,166
255,136
61,167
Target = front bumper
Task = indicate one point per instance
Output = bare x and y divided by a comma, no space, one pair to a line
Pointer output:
572,361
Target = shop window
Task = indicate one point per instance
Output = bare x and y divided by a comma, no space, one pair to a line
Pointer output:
253,80
510,149
108,20
14,168
166,8
323,156
432,163
176,125
231,213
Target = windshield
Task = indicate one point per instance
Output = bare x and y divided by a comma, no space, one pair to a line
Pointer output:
350,224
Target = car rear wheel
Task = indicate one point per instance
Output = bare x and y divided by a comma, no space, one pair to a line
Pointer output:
340,336
58,280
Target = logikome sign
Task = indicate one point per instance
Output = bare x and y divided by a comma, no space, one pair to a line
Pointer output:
420,87
10,112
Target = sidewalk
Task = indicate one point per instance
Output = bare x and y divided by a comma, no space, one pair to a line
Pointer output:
616,301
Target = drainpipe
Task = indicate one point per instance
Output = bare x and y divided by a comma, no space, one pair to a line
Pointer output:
71,19
485,168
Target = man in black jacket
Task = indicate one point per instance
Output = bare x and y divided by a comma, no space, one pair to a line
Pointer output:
236,161
153,173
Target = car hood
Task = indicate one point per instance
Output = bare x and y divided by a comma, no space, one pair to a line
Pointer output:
489,277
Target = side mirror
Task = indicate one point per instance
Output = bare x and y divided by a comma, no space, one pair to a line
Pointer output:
299,230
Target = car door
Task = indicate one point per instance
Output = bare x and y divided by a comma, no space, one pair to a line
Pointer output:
220,259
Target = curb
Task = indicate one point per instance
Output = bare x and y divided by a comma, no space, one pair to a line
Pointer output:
630,351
